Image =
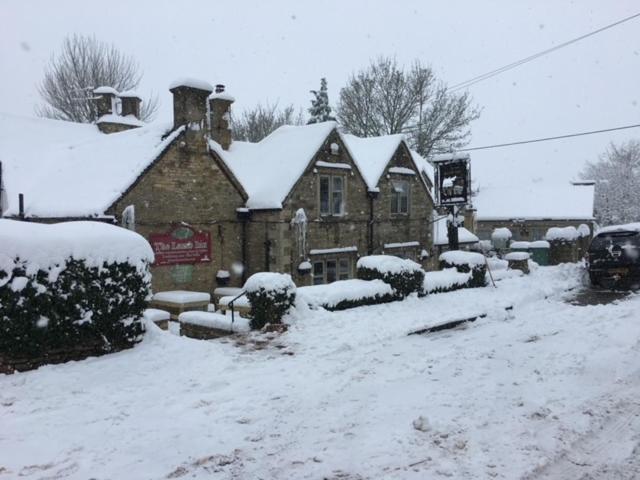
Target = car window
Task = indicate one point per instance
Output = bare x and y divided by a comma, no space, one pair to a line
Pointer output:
624,239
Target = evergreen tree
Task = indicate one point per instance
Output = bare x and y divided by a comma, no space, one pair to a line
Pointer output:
320,110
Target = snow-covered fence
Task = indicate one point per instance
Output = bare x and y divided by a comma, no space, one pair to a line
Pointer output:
271,295
345,294
466,262
69,290
404,276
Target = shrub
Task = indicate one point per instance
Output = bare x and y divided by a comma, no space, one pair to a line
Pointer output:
271,295
446,280
404,276
64,297
345,294
466,262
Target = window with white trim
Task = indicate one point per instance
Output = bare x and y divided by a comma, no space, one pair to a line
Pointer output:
332,195
330,270
400,197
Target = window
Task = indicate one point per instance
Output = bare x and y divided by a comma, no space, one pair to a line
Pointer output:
332,195
400,196
344,270
318,273
327,271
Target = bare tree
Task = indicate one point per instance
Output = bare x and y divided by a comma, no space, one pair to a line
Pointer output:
255,124
617,183
83,64
386,98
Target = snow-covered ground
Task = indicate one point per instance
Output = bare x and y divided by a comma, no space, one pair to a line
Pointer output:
545,390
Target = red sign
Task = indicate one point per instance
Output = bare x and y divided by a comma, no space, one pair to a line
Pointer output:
181,246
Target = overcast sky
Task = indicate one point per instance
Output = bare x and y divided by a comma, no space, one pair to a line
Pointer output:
279,50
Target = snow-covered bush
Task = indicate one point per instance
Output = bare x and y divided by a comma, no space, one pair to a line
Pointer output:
345,294
404,276
558,234
500,238
70,290
466,262
271,295
446,280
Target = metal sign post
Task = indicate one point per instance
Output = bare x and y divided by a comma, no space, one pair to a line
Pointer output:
453,189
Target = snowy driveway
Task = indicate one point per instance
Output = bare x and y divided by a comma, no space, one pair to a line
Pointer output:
547,390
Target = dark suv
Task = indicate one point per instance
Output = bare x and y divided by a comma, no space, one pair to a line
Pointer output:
614,257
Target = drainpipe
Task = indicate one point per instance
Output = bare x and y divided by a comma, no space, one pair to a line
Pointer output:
267,255
372,196
244,216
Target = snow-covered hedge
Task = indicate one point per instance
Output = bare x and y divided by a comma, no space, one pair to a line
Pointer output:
345,294
271,295
70,290
404,276
445,280
466,262
558,234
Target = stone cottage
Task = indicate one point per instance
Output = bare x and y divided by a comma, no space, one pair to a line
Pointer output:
306,200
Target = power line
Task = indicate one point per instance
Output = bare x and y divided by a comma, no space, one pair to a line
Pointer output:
530,58
546,139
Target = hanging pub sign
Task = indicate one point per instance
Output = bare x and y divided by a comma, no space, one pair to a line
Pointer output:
183,245
453,179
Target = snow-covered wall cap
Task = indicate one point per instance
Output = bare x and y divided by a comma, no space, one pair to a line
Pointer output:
191,83
50,245
129,94
566,234
629,227
442,157
517,256
105,91
222,96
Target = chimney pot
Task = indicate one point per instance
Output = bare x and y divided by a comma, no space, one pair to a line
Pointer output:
219,88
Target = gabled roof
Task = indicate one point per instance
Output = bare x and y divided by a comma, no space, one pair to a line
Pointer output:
269,169
67,169
372,155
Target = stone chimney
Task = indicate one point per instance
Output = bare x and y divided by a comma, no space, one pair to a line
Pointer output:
219,111
190,102
130,104
105,99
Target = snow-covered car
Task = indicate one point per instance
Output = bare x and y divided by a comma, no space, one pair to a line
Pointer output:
613,258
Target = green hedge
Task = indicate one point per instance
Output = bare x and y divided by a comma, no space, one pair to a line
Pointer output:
405,279
271,295
47,317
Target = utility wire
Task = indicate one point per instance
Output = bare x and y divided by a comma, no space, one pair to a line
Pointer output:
546,139
530,58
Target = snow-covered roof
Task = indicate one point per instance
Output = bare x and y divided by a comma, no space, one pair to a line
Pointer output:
105,91
628,227
122,119
372,154
508,187
269,169
534,201
423,165
67,169
191,83
441,234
